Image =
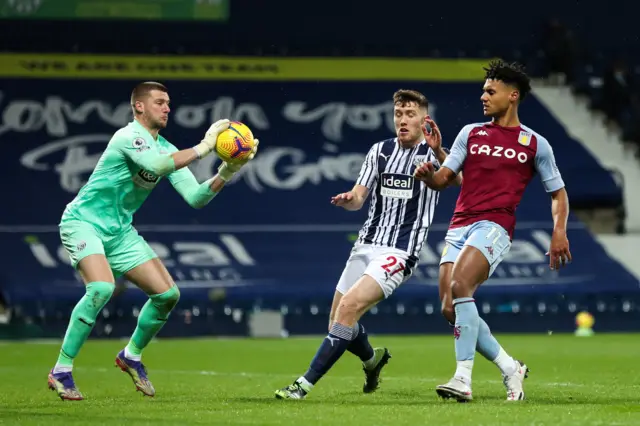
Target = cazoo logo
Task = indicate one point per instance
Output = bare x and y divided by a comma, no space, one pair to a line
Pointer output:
498,151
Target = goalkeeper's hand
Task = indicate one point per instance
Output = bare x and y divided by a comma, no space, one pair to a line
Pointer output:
208,144
227,170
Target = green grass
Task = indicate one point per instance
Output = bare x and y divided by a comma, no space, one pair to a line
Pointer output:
573,381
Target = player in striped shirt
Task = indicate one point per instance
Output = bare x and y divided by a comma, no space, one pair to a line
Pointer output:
386,252
498,160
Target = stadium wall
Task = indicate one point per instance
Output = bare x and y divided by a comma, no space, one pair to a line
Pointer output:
251,255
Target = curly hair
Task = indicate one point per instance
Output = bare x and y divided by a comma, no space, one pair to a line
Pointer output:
512,74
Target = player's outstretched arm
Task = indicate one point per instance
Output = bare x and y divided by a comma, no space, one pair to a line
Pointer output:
138,151
439,180
450,173
367,179
199,195
559,254
434,139
352,200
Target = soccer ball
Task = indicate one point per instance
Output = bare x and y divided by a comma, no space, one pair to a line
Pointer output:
235,144
584,320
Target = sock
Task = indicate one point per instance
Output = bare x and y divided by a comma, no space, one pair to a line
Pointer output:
83,318
361,347
489,348
505,363
152,318
487,345
466,334
331,349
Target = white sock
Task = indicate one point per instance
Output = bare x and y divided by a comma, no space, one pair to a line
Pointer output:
370,363
463,371
505,363
62,369
132,357
304,384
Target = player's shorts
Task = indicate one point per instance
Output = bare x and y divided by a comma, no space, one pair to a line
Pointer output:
488,237
123,251
390,267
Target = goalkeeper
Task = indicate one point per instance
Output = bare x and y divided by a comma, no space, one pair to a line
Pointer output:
96,230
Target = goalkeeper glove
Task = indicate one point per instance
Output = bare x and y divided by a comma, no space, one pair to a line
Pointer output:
208,144
227,170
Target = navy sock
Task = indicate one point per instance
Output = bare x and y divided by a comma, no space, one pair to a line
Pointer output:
332,348
360,345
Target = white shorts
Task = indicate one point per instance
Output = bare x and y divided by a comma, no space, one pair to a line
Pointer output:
390,267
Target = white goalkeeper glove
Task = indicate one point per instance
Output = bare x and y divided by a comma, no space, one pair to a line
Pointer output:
208,144
227,170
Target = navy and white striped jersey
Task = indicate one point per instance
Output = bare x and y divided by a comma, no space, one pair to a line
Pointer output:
401,208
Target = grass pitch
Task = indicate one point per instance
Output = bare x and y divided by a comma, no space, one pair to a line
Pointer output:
573,381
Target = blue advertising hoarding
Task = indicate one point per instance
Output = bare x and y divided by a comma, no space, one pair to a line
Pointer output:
272,231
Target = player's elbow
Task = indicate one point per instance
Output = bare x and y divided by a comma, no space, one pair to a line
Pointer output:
199,204
560,194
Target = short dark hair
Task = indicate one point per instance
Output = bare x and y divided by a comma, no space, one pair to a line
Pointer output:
512,74
404,96
142,90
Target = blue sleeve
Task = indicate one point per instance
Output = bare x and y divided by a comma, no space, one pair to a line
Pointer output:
546,166
458,154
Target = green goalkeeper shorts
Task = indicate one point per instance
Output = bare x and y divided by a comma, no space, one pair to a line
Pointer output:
123,251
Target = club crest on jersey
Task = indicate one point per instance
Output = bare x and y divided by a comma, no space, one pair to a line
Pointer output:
419,159
524,139
396,185
145,179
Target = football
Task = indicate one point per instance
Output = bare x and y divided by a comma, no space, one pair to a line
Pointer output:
584,320
235,144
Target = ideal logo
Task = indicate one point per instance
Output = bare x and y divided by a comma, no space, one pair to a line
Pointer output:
219,261
396,185
145,179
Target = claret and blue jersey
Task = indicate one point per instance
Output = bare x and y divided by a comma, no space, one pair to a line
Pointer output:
497,164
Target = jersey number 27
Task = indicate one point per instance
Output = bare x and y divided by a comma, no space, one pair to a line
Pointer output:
389,267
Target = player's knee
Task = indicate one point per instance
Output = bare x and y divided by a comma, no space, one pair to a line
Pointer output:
348,305
460,287
100,292
167,300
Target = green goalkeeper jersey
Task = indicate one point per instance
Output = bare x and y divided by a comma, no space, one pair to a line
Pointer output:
130,167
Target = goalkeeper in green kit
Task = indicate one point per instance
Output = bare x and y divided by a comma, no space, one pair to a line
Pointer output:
96,230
